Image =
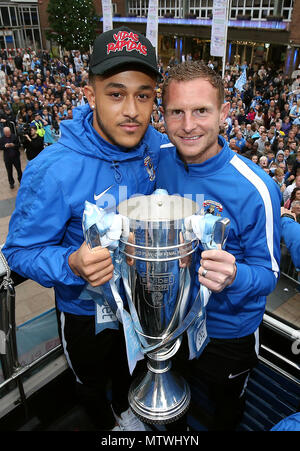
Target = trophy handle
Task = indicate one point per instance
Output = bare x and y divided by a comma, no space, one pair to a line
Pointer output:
219,235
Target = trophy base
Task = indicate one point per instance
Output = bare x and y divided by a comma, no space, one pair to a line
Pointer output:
160,397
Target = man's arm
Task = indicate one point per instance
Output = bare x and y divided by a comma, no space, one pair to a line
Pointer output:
290,232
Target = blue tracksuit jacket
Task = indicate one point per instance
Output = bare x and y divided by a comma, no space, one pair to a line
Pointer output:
46,226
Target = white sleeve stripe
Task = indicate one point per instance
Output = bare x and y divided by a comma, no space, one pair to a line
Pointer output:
259,184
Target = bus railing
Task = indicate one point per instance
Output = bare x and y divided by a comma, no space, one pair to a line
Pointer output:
13,372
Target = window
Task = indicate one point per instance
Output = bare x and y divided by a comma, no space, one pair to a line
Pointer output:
257,9
17,39
287,9
171,7
37,39
114,8
34,16
138,7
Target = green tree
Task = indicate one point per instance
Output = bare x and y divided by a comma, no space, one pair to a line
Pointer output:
72,23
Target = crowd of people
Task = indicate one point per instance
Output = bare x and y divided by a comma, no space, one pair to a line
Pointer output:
38,90
264,125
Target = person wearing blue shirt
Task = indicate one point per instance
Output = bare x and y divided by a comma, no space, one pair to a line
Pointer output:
31,86
35,63
241,276
108,144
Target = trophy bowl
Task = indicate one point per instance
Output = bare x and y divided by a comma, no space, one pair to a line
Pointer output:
157,277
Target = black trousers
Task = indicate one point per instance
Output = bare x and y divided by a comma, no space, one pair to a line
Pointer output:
11,162
96,361
223,370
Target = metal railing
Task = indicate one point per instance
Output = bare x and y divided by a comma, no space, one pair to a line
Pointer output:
287,267
13,371
8,343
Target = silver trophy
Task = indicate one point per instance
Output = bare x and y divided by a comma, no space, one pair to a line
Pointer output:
159,249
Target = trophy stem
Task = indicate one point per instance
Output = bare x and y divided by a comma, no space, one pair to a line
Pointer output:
161,396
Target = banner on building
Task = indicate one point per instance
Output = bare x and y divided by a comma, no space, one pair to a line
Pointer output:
152,23
219,28
107,15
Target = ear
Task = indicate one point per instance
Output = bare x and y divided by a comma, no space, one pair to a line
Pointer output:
224,112
90,95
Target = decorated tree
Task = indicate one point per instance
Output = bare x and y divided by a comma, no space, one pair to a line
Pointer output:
72,23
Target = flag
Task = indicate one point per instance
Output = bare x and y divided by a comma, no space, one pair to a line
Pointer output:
241,81
152,23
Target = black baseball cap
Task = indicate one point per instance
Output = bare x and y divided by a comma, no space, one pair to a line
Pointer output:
119,47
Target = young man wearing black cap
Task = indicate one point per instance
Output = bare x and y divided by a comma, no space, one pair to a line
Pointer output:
108,144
